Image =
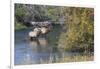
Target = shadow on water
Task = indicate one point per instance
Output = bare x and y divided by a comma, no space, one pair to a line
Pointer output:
42,50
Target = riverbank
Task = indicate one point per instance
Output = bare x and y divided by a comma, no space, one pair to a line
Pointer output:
77,58
19,26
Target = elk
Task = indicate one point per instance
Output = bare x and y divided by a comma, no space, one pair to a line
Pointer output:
34,34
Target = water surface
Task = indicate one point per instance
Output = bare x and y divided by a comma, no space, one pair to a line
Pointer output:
43,50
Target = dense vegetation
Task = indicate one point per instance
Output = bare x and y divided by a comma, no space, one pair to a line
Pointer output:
25,13
78,34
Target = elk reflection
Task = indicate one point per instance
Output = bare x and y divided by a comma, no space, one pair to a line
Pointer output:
41,49
39,44
43,52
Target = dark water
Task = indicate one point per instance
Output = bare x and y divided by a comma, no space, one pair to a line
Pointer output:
43,50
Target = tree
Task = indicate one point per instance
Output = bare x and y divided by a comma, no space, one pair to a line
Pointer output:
80,34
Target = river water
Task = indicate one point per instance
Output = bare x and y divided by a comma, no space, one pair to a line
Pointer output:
43,50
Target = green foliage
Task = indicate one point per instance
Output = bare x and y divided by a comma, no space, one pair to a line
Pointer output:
19,26
27,13
80,34
54,13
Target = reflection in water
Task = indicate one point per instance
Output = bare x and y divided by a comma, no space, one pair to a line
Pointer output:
46,53
42,50
38,51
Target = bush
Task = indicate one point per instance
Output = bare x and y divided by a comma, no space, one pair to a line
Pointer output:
80,34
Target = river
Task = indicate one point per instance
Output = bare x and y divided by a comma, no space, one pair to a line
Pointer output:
41,51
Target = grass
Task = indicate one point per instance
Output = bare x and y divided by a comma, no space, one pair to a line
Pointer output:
78,58
19,26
